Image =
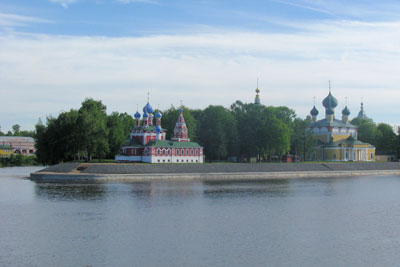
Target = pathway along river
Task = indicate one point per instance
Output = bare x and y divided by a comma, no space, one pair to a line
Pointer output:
299,222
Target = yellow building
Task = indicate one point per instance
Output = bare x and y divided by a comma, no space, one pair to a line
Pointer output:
6,151
337,139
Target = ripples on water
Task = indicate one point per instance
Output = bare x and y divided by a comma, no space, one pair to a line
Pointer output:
299,222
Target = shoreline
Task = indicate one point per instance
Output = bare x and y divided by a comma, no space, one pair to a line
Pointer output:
203,172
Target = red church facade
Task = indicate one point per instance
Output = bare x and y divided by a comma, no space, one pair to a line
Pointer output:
147,142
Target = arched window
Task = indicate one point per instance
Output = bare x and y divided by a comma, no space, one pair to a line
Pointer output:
158,151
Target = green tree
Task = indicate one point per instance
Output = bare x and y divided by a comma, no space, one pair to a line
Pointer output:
117,134
218,133
386,140
302,141
367,130
92,121
16,128
263,131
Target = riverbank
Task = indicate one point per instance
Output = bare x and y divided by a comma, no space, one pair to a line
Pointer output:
217,171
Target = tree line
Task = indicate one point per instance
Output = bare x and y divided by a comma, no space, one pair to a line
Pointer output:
241,131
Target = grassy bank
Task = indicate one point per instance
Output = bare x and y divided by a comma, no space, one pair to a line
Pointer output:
18,160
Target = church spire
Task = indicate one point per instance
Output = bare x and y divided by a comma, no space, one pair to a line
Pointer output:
362,114
181,132
257,99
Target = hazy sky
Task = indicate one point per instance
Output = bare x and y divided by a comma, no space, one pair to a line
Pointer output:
55,53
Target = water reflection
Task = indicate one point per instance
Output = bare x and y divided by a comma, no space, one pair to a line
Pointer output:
238,189
65,191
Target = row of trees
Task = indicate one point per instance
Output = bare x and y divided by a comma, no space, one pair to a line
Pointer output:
380,135
16,131
243,131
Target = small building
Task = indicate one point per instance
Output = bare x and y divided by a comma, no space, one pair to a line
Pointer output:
147,142
6,151
337,139
20,144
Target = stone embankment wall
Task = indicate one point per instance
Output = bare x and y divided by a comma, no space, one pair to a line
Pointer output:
217,171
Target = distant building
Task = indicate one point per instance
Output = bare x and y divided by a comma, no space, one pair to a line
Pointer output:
147,142
19,144
6,151
362,114
337,139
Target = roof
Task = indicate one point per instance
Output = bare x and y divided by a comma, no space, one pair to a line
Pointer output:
333,123
16,139
162,143
150,128
172,144
6,147
349,141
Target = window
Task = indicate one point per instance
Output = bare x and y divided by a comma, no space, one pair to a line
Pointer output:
197,160
192,160
163,160
158,151
372,155
191,152
334,156
168,161
163,151
158,160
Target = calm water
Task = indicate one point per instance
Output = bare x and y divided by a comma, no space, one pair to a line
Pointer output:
303,222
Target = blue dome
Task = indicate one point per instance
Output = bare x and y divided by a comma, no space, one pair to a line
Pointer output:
158,115
330,101
149,108
330,111
346,111
145,115
158,129
181,110
137,115
314,111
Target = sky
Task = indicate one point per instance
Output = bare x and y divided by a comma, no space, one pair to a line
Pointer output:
56,53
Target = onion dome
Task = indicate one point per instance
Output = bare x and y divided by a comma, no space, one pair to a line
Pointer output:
314,111
158,115
158,129
330,111
149,108
145,115
330,101
137,115
181,110
346,111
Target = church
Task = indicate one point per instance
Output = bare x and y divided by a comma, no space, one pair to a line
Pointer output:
147,142
336,140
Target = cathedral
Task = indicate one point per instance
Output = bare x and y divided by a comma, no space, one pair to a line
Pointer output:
336,140
147,142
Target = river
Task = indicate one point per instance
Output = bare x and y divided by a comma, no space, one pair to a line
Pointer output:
298,222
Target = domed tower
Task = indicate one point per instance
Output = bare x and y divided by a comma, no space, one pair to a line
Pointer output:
181,132
314,113
137,118
158,125
330,103
362,114
149,110
145,119
345,114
